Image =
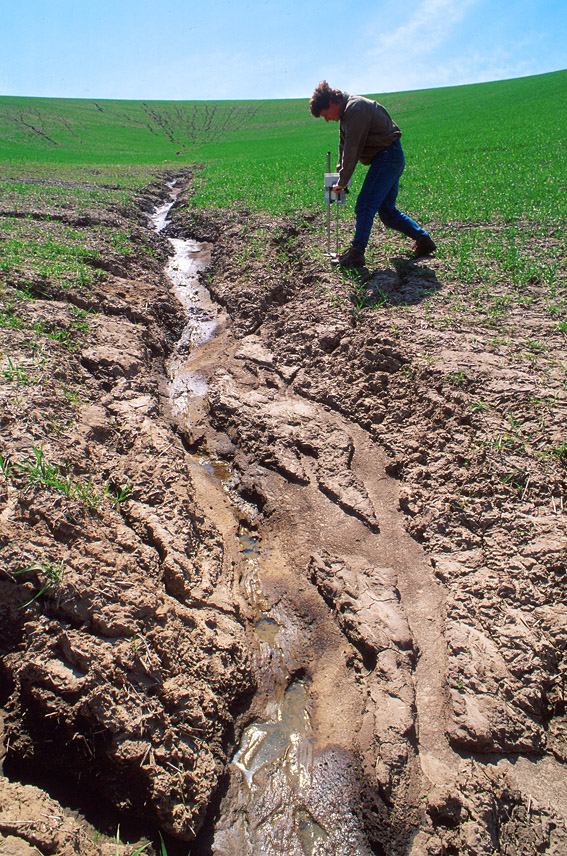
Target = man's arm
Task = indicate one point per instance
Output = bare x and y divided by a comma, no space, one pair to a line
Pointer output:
338,187
354,130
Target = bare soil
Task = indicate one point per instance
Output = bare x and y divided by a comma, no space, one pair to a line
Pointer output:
402,474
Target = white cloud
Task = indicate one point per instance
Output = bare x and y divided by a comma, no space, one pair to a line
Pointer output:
478,68
467,64
429,26
402,57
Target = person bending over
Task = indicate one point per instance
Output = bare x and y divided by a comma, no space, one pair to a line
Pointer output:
369,135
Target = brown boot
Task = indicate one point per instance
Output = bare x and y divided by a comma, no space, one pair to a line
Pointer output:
352,258
423,247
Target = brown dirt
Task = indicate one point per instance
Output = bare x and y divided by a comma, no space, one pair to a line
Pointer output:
403,475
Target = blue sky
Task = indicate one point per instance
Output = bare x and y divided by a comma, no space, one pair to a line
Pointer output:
182,49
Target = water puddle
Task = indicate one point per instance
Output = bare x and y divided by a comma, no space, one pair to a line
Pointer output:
221,470
201,316
267,630
250,578
249,544
183,386
280,741
189,258
310,833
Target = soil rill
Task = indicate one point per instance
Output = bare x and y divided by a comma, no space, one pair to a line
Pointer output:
354,524
107,563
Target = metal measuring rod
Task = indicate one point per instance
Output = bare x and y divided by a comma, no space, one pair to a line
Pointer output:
331,197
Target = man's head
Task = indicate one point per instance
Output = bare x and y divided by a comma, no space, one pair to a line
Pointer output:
326,102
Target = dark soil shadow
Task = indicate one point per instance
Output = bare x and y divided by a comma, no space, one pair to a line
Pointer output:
407,283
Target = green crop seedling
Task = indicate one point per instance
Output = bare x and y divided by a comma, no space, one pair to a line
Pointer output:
49,574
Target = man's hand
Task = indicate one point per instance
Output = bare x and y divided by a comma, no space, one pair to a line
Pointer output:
336,188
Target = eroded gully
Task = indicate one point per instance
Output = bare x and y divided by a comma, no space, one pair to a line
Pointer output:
346,730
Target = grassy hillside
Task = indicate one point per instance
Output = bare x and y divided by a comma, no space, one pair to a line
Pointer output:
486,168
479,152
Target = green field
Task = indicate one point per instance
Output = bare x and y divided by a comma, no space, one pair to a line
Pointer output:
480,152
486,165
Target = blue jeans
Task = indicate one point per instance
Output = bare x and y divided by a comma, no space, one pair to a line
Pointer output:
378,196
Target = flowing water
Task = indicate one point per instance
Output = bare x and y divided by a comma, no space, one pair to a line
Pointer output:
285,797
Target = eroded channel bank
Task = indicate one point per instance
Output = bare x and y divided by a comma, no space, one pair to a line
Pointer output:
459,728
246,644
336,549
285,768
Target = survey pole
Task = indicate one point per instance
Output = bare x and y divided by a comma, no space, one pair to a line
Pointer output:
328,210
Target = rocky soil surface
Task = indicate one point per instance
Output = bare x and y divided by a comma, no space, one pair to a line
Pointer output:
310,602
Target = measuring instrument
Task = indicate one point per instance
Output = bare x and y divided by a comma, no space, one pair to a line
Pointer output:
331,178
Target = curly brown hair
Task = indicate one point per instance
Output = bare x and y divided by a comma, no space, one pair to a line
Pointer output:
322,98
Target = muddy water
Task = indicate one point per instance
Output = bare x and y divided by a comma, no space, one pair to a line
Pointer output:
287,796
159,216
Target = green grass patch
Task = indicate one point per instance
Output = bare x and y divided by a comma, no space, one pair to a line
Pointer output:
35,470
55,252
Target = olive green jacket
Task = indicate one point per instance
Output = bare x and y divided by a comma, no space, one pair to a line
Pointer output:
366,128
